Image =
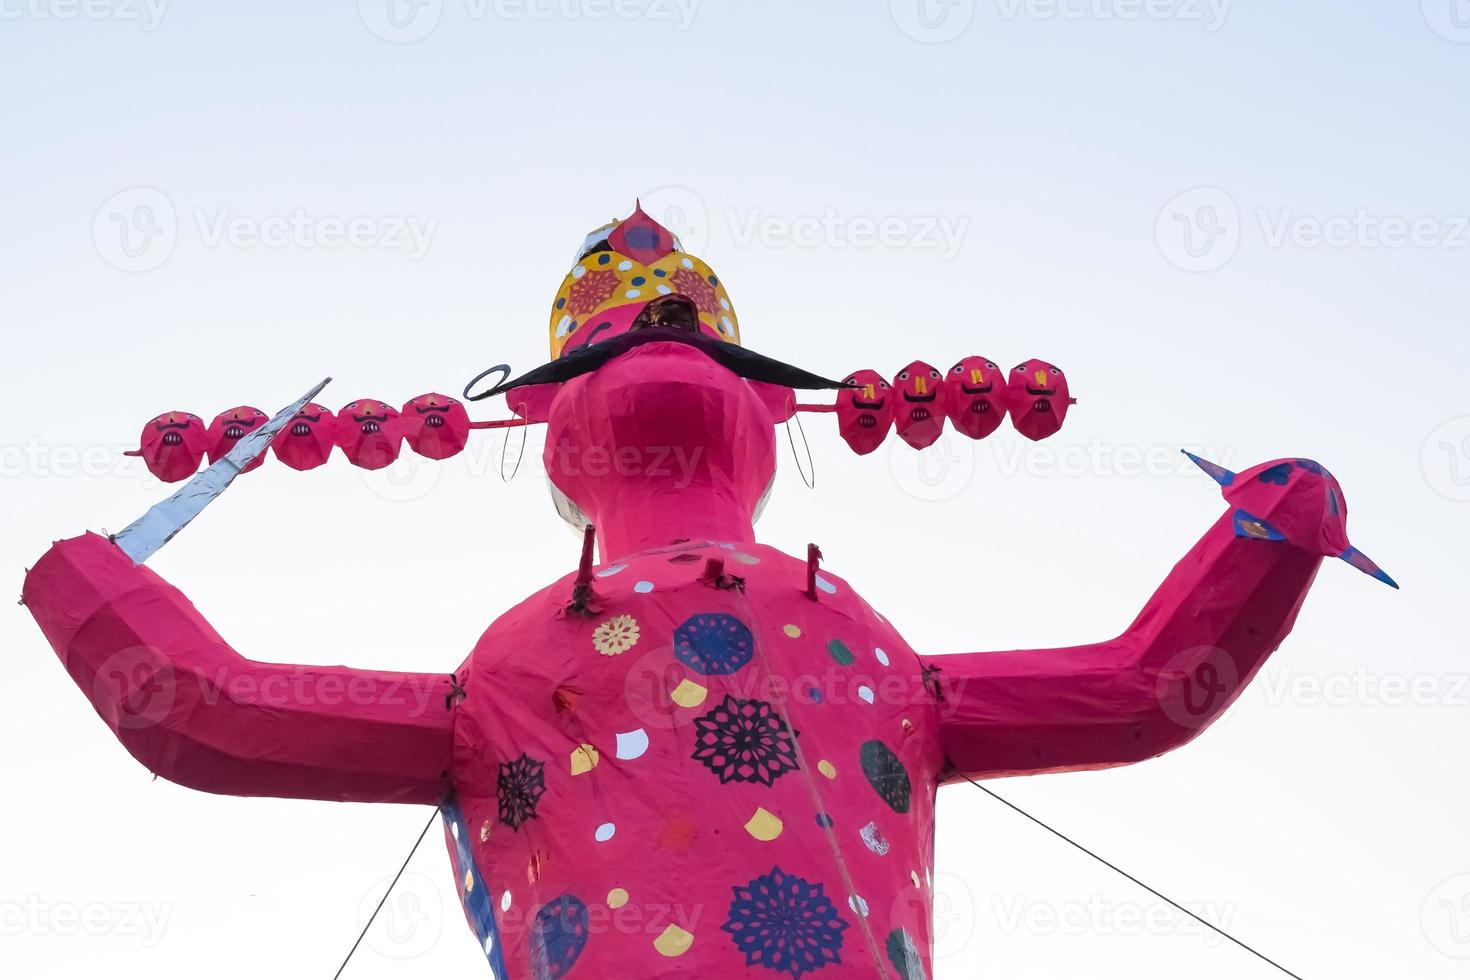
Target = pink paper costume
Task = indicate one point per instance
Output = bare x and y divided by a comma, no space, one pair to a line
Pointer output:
701,757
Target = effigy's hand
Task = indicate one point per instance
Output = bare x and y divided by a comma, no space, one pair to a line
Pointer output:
1297,501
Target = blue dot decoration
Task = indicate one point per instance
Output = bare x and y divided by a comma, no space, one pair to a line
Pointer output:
713,643
558,937
1276,474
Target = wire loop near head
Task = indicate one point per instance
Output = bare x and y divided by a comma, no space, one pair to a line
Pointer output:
811,467
520,409
502,369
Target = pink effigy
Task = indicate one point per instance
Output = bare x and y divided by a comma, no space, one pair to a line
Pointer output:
695,755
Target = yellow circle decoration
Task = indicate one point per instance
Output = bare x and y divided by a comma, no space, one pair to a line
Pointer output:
674,941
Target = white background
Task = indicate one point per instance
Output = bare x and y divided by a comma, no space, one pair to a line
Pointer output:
1144,193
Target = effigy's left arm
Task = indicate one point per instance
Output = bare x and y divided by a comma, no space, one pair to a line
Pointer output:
1208,629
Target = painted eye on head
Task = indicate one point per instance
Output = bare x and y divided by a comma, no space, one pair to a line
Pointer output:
903,375
934,374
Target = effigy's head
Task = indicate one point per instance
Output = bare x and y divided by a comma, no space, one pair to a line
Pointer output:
649,390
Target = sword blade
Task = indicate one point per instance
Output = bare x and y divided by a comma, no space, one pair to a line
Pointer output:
142,538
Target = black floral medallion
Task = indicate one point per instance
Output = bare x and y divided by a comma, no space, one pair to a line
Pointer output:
887,775
521,784
785,924
744,741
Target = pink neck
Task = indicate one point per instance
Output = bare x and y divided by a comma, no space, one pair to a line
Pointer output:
632,516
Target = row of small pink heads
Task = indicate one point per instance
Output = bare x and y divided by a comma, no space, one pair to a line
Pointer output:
974,395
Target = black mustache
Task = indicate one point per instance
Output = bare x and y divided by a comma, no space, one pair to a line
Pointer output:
742,361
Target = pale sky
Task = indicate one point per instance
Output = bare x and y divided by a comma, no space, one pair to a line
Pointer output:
1240,228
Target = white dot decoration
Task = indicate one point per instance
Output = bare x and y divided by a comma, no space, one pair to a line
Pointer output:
632,744
663,290
687,264
454,829
611,570
505,902
724,304
858,905
826,586
882,657
865,692
564,326
578,271
644,587
605,833
489,944
624,265
632,294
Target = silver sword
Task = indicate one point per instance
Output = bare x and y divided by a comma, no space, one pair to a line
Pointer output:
156,528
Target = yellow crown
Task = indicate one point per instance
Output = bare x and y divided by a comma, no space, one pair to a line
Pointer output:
637,261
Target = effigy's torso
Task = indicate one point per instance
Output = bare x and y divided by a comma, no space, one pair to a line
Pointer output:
631,802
